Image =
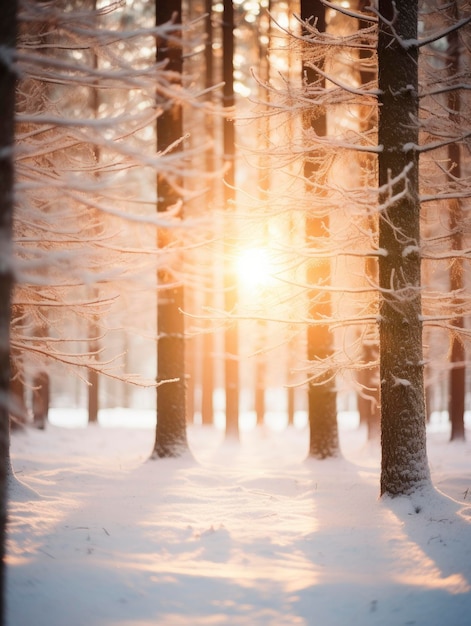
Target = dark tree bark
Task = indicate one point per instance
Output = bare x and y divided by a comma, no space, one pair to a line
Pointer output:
291,405
456,401
190,374
207,382
264,185
8,29
207,373
170,435
93,403
41,397
260,390
322,407
231,337
93,378
404,466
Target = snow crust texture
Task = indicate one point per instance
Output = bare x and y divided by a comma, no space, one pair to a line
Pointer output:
241,535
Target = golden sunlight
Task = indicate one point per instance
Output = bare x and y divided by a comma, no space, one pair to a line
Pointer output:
254,267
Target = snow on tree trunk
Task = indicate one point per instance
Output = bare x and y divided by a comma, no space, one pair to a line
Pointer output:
7,107
404,466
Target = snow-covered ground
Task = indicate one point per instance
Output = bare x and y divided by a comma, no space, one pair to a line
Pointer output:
238,535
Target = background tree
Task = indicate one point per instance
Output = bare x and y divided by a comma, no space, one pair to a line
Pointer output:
322,409
231,337
170,439
264,186
368,397
207,375
58,140
93,377
8,29
85,229
456,402
444,124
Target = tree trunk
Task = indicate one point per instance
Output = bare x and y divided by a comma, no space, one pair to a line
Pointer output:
231,337
260,388
369,400
404,466
291,405
190,373
322,401
8,27
41,398
170,436
93,378
207,380
17,404
456,401
264,186
92,374
207,373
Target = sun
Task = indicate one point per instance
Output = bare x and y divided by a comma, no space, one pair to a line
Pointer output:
254,267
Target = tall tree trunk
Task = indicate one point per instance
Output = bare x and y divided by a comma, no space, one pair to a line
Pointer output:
264,185
322,409
207,373
290,391
456,401
8,28
170,435
231,336
369,400
92,374
404,466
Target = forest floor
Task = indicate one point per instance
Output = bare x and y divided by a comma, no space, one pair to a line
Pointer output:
237,534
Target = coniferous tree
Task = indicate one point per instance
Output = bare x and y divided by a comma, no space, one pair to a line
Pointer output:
231,336
404,466
207,369
68,202
368,399
170,436
8,28
264,186
50,109
456,401
93,378
322,409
